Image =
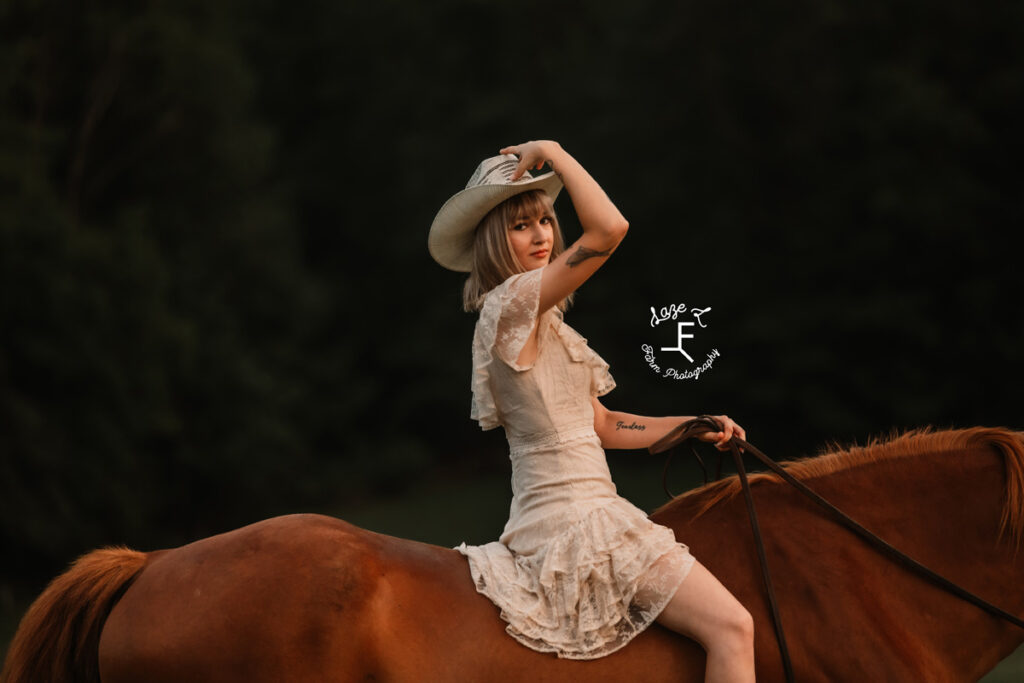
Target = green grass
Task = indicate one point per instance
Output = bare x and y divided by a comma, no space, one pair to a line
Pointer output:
1010,670
448,511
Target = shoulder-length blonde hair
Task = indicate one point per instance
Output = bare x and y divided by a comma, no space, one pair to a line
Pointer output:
494,261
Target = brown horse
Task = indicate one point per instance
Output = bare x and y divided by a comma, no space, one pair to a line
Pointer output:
309,598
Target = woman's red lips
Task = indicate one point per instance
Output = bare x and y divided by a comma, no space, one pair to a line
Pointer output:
540,253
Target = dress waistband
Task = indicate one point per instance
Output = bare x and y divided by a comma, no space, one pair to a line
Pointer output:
546,441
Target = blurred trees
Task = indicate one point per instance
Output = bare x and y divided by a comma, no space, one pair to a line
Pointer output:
215,299
155,307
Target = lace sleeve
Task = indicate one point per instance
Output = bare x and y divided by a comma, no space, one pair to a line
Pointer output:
519,303
506,320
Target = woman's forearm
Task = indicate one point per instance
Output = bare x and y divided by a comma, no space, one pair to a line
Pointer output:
625,430
597,214
601,221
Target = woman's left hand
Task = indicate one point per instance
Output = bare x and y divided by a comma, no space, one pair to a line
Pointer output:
729,430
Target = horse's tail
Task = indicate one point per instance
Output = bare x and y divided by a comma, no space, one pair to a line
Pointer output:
58,638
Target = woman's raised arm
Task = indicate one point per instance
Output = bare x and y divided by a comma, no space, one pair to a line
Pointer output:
603,225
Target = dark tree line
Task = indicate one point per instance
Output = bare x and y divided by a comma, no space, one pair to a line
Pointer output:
216,302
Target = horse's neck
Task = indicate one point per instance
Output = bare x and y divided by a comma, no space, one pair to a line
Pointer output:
943,510
848,609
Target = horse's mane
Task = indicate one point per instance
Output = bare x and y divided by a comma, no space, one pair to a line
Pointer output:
908,444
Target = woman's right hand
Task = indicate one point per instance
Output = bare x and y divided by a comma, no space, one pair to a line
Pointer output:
729,429
533,155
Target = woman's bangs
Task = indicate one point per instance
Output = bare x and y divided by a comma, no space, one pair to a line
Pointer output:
533,203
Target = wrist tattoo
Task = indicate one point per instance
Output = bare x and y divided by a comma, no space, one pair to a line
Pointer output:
583,253
622,425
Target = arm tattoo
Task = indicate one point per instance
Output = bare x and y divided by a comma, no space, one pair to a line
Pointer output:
622,425
582,254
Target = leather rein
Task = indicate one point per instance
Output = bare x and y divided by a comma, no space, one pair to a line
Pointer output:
703,424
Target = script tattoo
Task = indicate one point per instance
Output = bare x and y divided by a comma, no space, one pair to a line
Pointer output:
582,254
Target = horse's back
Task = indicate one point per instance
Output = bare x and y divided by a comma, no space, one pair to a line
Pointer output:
307,597
268,601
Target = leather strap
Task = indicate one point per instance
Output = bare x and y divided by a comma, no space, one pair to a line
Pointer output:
692,429
704,424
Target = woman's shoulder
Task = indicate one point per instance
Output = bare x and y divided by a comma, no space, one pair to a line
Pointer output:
519,293
518,283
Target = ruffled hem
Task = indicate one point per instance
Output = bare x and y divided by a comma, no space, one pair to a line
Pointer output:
591,590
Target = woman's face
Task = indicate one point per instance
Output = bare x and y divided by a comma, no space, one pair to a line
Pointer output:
532,237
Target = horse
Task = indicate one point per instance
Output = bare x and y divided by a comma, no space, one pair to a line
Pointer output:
312,598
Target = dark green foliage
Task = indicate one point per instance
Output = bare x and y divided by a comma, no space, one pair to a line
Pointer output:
155,309
215,299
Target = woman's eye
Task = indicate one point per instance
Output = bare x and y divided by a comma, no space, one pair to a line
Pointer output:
519,226
546,220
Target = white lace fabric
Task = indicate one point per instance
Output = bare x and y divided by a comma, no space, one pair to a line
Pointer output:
578,570
506,321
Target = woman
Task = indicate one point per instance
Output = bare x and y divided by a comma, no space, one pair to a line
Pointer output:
578,570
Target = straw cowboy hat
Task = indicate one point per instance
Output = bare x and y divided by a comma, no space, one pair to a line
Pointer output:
453,232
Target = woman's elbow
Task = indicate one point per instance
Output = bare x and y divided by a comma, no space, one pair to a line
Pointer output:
614,233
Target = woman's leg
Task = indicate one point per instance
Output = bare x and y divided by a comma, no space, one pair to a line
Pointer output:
705,610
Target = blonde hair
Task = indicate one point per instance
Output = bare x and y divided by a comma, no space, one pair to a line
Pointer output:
494,261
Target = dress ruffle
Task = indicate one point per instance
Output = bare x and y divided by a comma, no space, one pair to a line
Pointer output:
593,588
507,317
601,381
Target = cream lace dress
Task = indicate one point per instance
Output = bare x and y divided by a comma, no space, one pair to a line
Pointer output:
578,570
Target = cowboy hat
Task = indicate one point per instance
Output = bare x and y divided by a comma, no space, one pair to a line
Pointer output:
453,231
